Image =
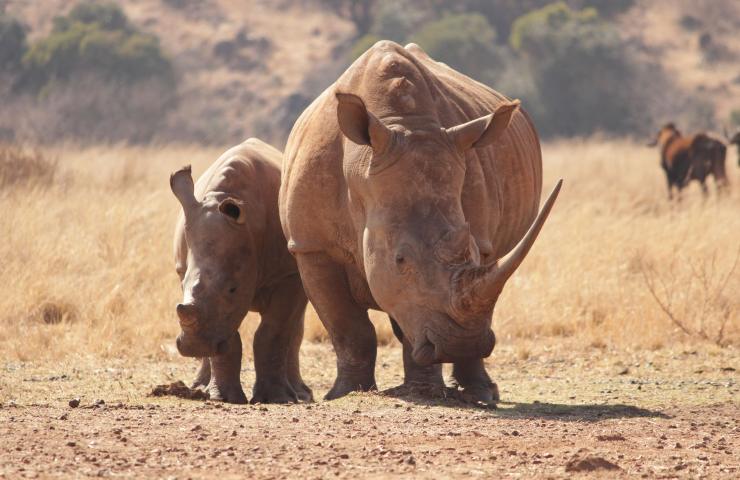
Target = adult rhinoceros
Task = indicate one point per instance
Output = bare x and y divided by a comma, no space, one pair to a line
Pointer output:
403,185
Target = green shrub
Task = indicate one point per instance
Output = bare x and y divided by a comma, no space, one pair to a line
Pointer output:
465,42
735,118
95,38
361,45
583,78
12,43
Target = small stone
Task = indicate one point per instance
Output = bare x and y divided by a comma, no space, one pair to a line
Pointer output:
71,444
74,403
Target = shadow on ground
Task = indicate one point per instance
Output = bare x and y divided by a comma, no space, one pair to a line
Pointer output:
454,398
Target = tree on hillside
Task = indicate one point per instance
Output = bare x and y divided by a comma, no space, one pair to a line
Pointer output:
583,79
12,43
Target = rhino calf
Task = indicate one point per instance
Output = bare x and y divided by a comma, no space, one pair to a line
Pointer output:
231,257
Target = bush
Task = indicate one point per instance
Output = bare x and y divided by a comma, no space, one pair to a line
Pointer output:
735,118
465,42
20,167
95,39
583,79
12,43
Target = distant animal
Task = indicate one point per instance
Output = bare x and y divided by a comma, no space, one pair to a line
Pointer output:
231,257
735,140
686,158
404,185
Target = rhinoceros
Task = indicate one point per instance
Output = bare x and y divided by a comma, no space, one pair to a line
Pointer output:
231,257
404,184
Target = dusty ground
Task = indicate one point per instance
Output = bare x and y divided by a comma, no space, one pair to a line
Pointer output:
663,414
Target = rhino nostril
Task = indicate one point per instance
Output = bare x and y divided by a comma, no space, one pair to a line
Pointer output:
186,314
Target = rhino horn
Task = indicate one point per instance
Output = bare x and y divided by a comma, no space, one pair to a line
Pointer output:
477,290
181,183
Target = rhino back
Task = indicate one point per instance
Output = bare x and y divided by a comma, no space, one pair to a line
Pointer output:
503,182
249,171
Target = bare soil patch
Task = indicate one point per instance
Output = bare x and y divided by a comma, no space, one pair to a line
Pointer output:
674,414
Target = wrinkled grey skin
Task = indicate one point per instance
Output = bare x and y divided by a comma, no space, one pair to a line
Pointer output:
404,184
231,256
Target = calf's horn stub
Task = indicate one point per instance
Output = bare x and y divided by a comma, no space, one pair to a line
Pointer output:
475,291
181,183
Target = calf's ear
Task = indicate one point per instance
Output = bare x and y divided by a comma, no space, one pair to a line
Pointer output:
234,210
483,131
359,125
181,183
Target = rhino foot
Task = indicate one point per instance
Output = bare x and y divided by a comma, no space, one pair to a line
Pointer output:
485,394
302,391
203,377
229,393
273,392
343,386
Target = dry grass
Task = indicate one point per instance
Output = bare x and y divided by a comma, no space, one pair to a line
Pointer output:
88,268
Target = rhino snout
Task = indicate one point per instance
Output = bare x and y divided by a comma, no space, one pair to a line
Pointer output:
194,346
434,348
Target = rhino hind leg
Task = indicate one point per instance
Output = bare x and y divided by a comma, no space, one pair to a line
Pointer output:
351,332
203,377
475,384
225,384
413,373
302,391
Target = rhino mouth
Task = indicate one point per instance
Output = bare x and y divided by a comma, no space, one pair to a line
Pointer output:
432,347
193,346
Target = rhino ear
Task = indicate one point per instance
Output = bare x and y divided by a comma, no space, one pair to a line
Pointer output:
359,125
483,131
181,183
234,210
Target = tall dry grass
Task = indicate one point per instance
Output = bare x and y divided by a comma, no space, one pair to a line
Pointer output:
87,265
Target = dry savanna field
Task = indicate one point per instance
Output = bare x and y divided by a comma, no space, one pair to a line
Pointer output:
617,344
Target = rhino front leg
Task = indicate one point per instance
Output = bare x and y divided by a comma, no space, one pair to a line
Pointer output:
413,373
225,384
203,377
476,385
351,332
276,345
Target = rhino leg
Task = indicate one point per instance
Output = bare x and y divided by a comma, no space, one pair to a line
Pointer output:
352,334
203,377
302,391
225,384
476,385
276,344
413,373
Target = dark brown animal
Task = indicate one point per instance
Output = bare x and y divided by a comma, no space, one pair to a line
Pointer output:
404,185
231,256
735,140
686,158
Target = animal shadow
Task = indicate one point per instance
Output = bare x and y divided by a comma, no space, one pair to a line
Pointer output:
428,395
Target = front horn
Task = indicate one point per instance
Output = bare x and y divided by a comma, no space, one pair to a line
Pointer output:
476,290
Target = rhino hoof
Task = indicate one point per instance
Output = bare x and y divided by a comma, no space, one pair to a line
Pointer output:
486,395
228,394
273,392
302,391
342,388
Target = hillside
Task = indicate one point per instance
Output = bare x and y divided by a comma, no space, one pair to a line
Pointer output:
245,64
249,67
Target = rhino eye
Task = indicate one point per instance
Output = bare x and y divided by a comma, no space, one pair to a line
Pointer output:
232,290
400,260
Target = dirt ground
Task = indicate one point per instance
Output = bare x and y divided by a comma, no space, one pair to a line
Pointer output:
663,414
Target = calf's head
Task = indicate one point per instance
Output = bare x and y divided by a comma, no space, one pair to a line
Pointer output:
218,272
422,264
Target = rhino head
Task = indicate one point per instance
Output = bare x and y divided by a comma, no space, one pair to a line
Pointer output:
421,262
217,270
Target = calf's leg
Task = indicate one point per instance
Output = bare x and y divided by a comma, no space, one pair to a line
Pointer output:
224,383
276,344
